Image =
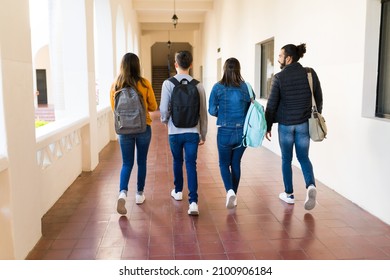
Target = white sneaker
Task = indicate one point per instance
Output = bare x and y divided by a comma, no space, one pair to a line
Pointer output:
176,195
193,209
139,198
120,207
288,198
230,199
311,194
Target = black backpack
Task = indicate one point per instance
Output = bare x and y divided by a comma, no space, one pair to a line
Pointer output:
185,103
129,112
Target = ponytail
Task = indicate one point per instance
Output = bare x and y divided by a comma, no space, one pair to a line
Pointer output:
296,52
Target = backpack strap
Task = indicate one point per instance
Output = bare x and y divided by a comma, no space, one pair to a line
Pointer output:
174,81
250,90
194,82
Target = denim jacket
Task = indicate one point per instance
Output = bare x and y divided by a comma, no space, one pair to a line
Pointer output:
229,104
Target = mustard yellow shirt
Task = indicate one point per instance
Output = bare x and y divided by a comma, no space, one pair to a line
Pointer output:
148,95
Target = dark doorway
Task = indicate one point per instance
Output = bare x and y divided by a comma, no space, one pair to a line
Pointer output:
41,86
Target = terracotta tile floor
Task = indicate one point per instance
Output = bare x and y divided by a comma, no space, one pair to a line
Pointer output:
83,224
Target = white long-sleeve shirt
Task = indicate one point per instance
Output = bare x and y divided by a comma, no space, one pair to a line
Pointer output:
165,109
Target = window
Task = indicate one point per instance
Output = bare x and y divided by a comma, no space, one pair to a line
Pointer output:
267,68
383,88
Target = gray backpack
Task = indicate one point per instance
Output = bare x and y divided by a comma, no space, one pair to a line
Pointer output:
129,112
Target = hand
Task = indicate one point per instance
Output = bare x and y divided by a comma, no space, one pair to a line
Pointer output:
201,142
268,135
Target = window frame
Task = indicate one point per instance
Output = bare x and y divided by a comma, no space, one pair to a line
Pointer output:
265,90
383,89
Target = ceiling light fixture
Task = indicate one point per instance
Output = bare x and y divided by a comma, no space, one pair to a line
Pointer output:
169,43
175,19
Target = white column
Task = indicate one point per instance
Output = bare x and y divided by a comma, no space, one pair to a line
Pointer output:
90,135
18,100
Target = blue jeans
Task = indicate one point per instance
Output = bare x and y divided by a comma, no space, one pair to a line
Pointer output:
187,143
128,143
230,153
298,136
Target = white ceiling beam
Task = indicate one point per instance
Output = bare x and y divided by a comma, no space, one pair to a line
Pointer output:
145,27
164,5
167,17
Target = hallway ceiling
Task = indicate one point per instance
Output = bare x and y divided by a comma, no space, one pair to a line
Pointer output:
155,15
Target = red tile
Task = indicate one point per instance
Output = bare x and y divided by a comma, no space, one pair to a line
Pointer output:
241,256
161,250
267,255
166,239
186,249
206,238
109,253
57,254
88,243
237,247
187,257
211,248
294,255
112,242
36,255
83,224
83,254
60,244
43,244
214,257
184,238
135,252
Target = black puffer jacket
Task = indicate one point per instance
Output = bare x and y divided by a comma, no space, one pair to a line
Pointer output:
289,102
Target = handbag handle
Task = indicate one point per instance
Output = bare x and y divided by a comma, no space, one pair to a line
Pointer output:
310,78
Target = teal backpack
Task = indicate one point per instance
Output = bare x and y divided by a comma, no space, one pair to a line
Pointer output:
255,125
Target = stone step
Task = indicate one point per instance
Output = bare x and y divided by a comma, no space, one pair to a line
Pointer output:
45,113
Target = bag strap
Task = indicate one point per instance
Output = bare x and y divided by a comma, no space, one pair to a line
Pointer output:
194,82
310,78
174,81
250,90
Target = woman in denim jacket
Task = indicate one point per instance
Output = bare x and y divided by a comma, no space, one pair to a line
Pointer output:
229,101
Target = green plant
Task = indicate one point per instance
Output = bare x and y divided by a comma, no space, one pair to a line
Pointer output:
39,123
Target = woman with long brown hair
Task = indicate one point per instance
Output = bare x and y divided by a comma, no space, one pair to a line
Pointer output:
129,76
229,102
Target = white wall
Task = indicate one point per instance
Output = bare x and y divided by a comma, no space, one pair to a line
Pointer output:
342,43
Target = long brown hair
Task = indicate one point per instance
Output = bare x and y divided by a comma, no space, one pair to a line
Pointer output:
130,72
232,73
